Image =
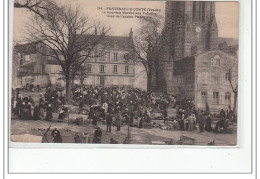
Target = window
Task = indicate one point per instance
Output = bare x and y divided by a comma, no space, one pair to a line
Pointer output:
126,69
228,97
215,61
89,68
102,69
102,81
115,68
115,56
227,76
204,94
216,97
21,59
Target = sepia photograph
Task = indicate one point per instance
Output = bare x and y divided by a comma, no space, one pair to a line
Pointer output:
125,72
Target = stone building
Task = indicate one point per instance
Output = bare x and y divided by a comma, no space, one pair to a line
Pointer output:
113,66
29,65
194,59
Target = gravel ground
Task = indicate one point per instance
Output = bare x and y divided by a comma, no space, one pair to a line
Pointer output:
138,136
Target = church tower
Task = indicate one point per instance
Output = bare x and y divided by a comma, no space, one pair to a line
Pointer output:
190,28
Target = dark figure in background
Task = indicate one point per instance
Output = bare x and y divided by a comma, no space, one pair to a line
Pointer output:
18,107
22,114
31,100
222,114
222,123
131,118
81,104
208,124
141,122
165,114
29,111
118,122
48,113
36,112
181,122
201,121
95,119
97,136
62,114
56,136
109,122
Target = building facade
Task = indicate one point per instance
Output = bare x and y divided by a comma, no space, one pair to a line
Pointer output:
113,66
194,59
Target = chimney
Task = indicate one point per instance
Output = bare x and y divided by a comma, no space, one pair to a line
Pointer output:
131,33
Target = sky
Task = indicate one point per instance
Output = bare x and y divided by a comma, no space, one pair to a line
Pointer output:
227,14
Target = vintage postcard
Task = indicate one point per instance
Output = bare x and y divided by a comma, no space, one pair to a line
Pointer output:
125,72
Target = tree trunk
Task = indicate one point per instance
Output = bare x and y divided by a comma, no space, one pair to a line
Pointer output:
68,90
149,82
235,103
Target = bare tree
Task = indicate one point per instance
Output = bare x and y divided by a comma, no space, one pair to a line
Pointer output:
81,73
71,39
39,7
232,73
147,46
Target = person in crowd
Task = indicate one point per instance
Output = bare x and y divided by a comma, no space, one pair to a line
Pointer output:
165,115
56,136
181,122
49,113
118,122
208,126
81,103
36,112
201,121
97,135
140,121
28,107
30,100
109,122
222,114
62,114
23,111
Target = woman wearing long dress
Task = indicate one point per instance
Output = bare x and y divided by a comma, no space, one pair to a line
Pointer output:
36,112
48,113
208,124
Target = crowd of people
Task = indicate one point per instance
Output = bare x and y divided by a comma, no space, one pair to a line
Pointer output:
116,106
119,105
50,102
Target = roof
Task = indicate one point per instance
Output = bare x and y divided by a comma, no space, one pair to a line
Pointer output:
29,65
24,72
52,62
27,48
120,41
229,41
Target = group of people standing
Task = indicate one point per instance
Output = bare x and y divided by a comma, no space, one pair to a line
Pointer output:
25,108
